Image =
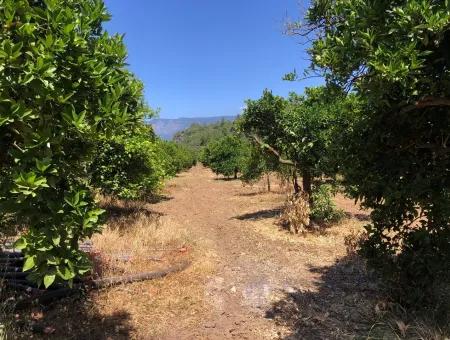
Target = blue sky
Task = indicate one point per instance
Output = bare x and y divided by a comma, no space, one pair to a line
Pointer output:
205,57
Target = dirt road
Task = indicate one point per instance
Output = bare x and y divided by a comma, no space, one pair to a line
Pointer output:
262,275
249,278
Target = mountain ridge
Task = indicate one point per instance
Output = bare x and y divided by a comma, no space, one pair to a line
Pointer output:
166,128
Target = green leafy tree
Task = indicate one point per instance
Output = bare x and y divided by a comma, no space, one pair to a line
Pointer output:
301,131
257,164
176,157
130,166
63,83
225,155
396,56
198,136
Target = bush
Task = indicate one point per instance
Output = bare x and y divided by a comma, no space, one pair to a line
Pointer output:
324,209
129,166
176,157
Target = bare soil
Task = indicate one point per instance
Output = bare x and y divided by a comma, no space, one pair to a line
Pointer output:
261,272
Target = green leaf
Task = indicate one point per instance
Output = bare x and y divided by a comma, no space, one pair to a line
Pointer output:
65,273
20,244
49,279
56,240
29,263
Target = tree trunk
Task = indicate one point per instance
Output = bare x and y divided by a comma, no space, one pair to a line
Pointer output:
235,173
307,185
295,180
268,182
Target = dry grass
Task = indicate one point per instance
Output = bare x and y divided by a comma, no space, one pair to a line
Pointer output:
138,240
134,240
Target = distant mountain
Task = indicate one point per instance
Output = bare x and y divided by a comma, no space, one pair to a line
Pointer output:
167,128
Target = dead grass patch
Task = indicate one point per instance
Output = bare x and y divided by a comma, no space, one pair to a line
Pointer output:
134,240
146,242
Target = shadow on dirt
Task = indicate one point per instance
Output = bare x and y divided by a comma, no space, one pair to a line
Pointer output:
341,307
115,211
348,303
154,199
74,318
121,214
259,193
259,215
358,216
225,179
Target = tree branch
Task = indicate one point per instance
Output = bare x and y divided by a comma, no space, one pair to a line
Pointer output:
427,102
275,152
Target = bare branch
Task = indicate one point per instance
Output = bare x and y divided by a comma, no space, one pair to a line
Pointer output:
275,152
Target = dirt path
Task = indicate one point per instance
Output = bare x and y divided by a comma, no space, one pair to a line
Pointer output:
255,264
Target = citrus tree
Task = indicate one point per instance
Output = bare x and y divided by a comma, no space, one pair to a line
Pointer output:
63,84
301,131
395,55
129,166
225,155
258,163
176,157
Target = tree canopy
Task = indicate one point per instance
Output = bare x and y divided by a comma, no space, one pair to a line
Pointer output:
301,131
225,155
198,135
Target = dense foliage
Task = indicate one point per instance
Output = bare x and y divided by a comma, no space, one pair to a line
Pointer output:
128,165
225,155
258,163
395,55
63,83
176,157
302,131
134,166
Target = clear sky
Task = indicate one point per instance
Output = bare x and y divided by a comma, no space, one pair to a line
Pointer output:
205,57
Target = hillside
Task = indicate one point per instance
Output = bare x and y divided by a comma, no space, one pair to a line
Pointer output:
198,135
167,128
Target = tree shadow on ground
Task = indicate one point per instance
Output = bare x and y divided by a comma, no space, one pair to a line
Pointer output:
73,318
115,211
259,193
121,214
348,303
341,306
259,215
154,199
358,216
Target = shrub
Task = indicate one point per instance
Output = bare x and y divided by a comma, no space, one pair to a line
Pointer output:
129,166
225,155
176,157
324,209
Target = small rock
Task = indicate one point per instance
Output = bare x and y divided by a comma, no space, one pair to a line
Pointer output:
233,290
210,325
